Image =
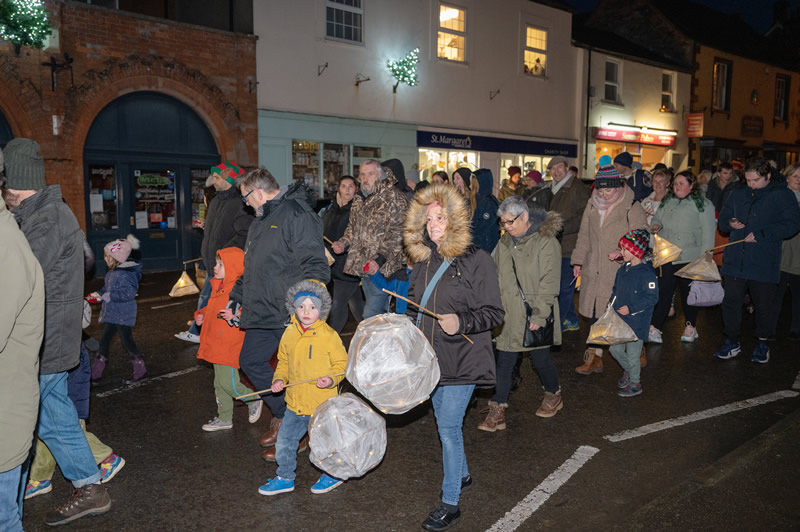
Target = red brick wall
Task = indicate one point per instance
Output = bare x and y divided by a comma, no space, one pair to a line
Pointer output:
116,53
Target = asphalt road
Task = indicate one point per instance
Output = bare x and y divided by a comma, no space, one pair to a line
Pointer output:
734,468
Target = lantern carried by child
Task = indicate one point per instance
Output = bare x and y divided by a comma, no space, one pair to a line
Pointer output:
347,437
391,363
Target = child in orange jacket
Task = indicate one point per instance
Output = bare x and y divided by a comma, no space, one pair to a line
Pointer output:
221,342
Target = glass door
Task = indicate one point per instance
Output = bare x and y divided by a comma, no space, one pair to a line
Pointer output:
154,214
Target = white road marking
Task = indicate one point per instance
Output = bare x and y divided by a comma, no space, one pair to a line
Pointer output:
172,304
796,385
144,382
698,416
525,508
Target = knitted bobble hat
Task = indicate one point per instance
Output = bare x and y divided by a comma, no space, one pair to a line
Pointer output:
636,241
607,177
24,165
120,249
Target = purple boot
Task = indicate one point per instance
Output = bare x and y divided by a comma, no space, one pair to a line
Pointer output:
98,367
139,371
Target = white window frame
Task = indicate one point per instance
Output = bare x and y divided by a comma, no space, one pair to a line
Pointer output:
787,83
342,7
526,48
617,83
670,92
726,89
440,28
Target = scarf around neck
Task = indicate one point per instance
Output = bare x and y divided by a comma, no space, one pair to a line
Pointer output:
604,206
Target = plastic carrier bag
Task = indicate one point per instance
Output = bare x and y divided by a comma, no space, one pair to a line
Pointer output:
610,329
702,269
391,363
347,437
705,293
664,251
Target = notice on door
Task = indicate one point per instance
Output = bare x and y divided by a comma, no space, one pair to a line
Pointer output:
141,219
96,202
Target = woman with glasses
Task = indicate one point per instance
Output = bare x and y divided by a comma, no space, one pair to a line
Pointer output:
609,213
528,259
457,281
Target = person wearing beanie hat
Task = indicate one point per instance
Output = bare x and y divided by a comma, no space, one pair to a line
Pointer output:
118,313
462,177
637,179
534,178
634,297
226,225
310,350
513,185
610,212
395,167
56,240
605,160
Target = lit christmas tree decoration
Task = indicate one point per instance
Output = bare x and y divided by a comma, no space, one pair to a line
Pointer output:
24,22
405,70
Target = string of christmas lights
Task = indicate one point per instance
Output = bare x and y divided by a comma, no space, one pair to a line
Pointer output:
405,70
24,22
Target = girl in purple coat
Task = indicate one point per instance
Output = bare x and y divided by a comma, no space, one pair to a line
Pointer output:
118,313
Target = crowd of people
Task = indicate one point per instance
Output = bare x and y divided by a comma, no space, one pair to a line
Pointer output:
497,275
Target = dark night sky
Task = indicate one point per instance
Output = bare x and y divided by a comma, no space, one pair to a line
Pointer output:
757,12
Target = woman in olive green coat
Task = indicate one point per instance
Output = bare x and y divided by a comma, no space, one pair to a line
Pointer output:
530,252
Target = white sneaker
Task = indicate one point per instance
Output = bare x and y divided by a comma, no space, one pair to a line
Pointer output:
186,336
654,336
254,410
689,334
217,424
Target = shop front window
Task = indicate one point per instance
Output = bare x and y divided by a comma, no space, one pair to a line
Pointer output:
361,154
102,198
199,176
335,163
431,161
154,194
305,163
320,165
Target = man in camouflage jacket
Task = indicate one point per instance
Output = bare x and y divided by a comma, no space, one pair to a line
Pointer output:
374,235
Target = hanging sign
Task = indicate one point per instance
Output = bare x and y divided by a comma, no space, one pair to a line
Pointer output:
639,137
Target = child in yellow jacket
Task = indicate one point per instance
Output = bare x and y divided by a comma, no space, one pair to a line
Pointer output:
309,349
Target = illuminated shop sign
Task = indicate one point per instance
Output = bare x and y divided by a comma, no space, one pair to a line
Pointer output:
434,139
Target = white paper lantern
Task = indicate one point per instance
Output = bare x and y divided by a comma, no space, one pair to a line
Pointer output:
391,363
347,437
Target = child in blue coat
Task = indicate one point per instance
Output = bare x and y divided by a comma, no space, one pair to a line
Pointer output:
635,295
118,313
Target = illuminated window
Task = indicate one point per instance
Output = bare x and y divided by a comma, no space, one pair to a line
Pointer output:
721,85
452,37
782,97
666,92
535,60
344,20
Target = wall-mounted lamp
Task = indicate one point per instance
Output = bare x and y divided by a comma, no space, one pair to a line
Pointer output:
321,68
57,66
493,94
360,78
754,97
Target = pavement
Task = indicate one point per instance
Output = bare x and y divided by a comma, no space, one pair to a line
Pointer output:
709,445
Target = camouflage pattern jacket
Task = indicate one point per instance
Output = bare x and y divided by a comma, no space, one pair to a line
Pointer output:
375,230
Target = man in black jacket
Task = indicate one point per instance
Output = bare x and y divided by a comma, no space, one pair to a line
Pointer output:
284,246
57,243
227,222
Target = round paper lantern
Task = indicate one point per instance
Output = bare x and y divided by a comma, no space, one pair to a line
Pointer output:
347,437
391,363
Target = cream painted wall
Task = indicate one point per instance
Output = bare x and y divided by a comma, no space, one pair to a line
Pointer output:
292,45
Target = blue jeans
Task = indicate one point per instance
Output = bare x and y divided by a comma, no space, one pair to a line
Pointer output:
202,301
566,295
292,430
377,301
12,488
449,405
60,430
258,348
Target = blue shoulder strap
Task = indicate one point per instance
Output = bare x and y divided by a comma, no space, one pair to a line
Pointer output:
431,285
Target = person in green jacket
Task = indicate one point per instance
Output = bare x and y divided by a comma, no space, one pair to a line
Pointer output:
21,332
685,218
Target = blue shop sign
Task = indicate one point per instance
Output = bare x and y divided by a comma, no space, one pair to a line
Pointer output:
452,141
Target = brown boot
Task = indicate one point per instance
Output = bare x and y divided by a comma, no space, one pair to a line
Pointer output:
592,361
551,404
269,438
269,454
643,357
495,419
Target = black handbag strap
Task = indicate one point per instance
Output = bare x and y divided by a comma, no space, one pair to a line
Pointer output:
516,278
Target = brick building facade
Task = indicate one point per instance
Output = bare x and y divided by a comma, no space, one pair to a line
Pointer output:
116,53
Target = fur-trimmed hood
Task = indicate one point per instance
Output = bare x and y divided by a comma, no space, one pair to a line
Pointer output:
316,288
546,223
457,238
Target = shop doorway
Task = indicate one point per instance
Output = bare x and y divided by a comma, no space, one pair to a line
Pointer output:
5,131
146,159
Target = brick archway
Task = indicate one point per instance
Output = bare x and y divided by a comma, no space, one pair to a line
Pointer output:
180,91
15,112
